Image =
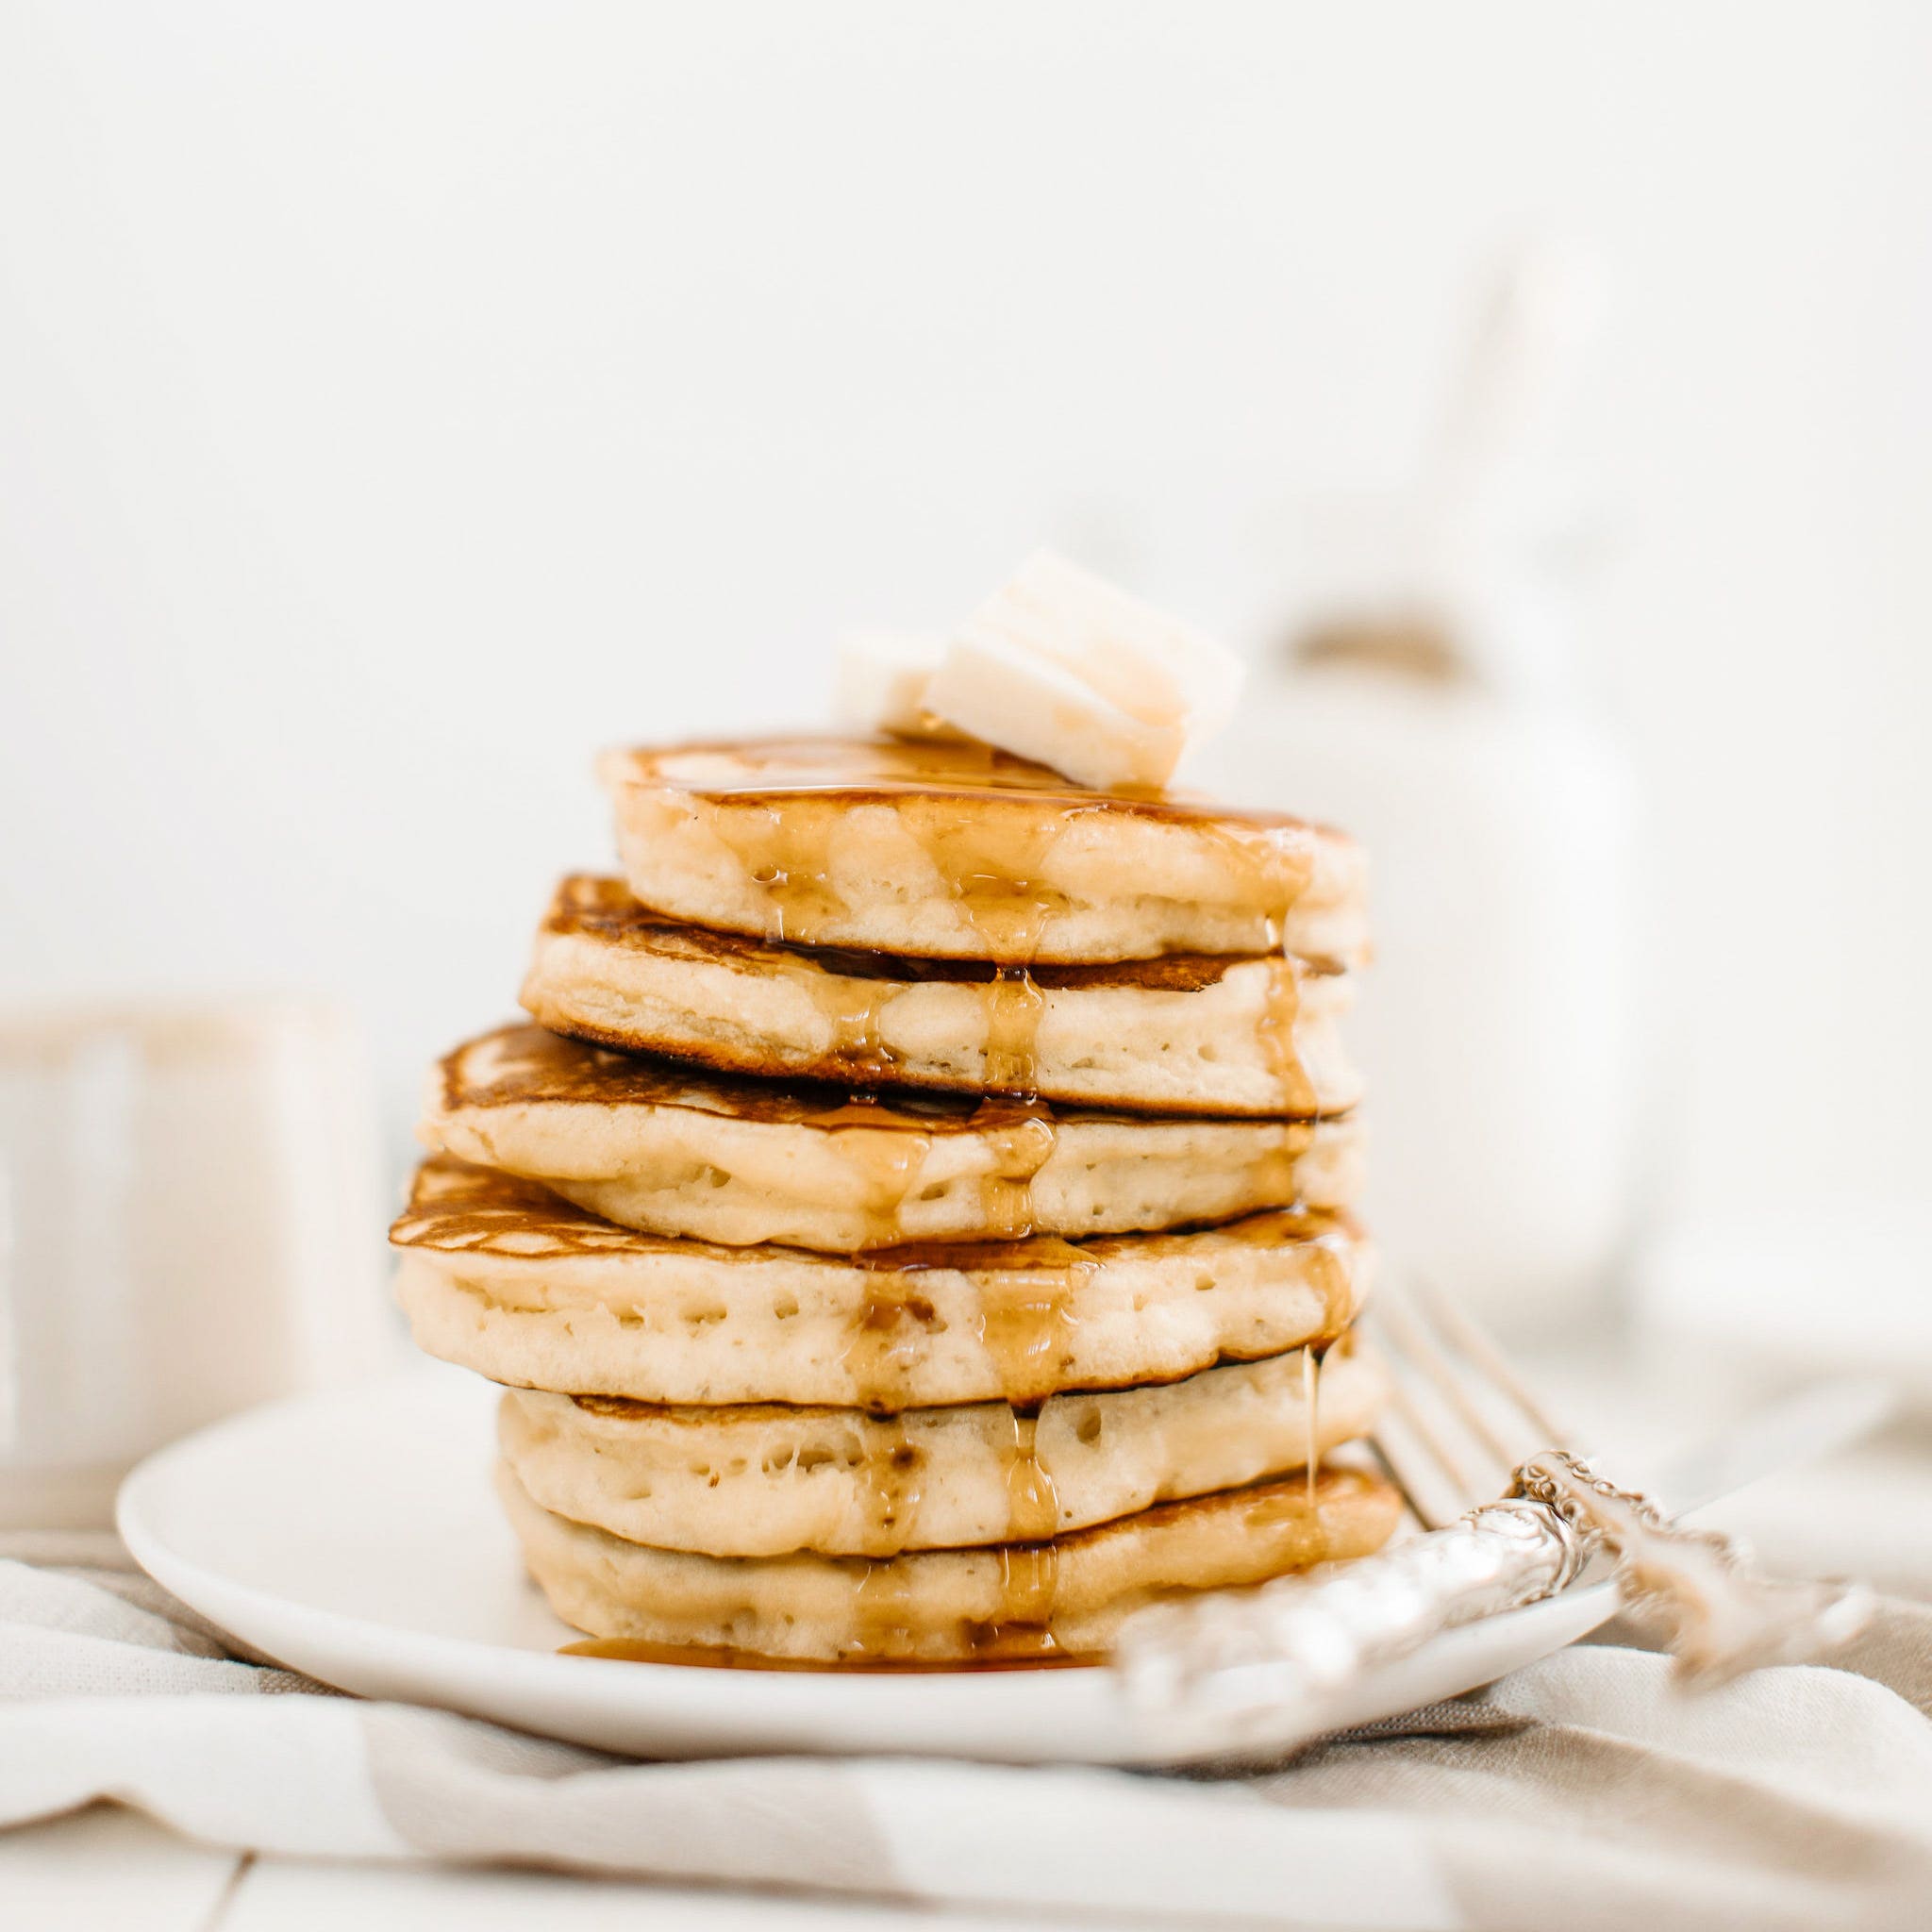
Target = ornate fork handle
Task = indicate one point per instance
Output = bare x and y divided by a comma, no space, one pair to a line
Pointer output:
1717,1615
1263,1666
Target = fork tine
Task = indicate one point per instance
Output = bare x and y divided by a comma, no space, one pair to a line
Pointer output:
1449,1386
1447,1380
1475,1343
1400,1460
1427,1472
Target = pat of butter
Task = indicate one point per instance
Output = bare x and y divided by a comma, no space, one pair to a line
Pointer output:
1061,668
881,682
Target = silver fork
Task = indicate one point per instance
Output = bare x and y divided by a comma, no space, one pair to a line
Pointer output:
1459,1418
1510,1515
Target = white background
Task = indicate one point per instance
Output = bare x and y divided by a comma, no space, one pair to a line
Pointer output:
399,401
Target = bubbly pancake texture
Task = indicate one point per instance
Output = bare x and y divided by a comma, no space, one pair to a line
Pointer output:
654,1146
949,849
504,1277
1029,1600
1184,1034
769,1479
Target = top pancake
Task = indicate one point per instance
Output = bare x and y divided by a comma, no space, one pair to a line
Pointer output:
955,850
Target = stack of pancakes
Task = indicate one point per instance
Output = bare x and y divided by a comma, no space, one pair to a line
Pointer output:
916,1230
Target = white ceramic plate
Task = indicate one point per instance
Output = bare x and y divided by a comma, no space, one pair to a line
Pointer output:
354,1536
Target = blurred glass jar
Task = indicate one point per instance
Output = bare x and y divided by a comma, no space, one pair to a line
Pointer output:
189,1216
1498,1027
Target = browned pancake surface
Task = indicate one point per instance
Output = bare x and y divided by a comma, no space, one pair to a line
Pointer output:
876,769
604,908
456,1207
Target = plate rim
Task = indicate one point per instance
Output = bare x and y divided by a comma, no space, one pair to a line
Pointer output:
476,1677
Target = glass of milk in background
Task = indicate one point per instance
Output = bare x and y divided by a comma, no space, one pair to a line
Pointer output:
189,1222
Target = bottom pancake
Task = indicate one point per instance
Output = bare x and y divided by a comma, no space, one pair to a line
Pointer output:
765,1480
1063,1597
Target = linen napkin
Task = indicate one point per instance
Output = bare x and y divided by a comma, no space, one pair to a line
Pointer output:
1581,1790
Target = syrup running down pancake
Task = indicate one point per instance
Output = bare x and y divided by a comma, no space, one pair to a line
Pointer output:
1182,1034
948,849
662,1148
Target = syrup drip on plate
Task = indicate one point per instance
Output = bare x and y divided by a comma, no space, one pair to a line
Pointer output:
718,1657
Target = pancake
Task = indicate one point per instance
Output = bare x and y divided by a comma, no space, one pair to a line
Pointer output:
1185,1034
654,1146
501,1276
766,1479
953,850
1065,1597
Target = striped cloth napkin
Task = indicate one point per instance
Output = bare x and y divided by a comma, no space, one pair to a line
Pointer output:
1580,1792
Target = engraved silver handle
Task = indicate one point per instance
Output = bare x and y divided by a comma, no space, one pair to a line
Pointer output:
1240,1671
1717,1615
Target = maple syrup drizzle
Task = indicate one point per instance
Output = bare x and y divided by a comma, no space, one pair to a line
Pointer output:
786,855
886,1152
1029,1589
891,1473
1014,1006
852,1010
1281,1010
1033,1504
1311,1401
1022,1622
721,1658
1027,1320
1334,1279
1020,1136
888,1339
990,864
1278,1177
883,1608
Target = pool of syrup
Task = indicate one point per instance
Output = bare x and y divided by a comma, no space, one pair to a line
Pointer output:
703,1657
